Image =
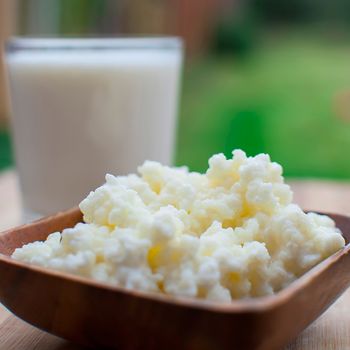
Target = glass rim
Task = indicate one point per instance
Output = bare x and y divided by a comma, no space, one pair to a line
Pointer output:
14,44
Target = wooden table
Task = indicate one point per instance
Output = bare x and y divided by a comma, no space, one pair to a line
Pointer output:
330,332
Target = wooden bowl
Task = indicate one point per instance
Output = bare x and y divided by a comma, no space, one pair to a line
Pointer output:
94,314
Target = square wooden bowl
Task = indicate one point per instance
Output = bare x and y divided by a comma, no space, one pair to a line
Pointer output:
95,314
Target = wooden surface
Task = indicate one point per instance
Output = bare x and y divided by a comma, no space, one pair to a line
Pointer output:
330,331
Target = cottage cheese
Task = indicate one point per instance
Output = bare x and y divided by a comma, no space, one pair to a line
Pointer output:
227,234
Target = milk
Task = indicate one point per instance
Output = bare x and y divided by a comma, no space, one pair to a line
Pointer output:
79,113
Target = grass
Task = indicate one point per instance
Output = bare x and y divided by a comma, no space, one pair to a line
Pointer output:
282,100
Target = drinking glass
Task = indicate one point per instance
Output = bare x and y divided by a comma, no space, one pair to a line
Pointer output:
82,108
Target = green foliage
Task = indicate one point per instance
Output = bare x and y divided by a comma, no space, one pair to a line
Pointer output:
301,10
281,101
245,128
6,158
81,16
234,36
291,10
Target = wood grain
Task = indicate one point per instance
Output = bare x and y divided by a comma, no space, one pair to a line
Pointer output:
330,331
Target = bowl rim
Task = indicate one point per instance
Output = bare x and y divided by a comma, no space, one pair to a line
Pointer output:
249,305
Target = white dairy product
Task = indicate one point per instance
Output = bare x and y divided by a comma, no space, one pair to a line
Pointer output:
82,108
230,233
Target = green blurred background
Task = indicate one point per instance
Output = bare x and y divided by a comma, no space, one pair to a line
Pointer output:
265,76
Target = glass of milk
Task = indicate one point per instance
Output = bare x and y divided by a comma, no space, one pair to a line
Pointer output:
86,107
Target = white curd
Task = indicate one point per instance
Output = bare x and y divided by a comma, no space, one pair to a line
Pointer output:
227,234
